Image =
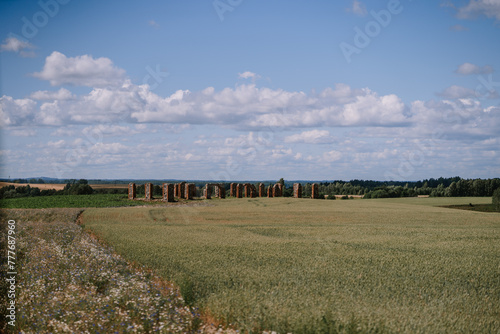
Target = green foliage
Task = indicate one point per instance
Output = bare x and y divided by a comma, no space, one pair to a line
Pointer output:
305,266
496,200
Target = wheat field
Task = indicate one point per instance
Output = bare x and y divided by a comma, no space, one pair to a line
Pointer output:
309,266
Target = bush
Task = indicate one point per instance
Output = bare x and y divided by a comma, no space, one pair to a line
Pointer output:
496,199
331,197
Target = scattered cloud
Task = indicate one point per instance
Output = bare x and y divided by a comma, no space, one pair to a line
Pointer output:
458,27
154,24
358,8
469,69
476,8
332,156
12,44
61,94
311,137
457,92
80,71
248,75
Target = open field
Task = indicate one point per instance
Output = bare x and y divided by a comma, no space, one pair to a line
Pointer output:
308,266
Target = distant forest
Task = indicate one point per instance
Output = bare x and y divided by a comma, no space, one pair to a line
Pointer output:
441,187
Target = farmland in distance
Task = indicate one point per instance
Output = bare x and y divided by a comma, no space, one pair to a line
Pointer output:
306,266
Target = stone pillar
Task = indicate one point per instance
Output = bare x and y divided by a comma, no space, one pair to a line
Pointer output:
270,191
281,189
232,190
297,190
262,190
207,192
253,191
188,190
182,190
168,192
176,190
277,190
239,190
314,191
131,191
148,191
248,190
222,191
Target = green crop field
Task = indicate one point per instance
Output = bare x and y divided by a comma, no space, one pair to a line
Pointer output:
309,266
70,201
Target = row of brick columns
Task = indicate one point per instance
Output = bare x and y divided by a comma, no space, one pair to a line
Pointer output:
216,189
169,191
188,191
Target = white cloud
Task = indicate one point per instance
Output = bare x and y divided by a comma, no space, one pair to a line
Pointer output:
475,8
80,71
248,75
332,156
16,111
61,94
358,8
468,69
311,137
12,44
457,92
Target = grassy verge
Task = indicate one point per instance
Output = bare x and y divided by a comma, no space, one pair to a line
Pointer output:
68,283
309,266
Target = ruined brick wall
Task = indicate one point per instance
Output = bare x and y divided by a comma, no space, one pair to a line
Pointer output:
168,192
297,190
207,191
253,191
262,190
131,191
281,190
270,191
148,191
189,190
222,191
239,191
315,191
277,190
182,190
248,190
232,190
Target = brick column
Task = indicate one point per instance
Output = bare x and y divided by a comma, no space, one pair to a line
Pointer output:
131,191
297,190
315,191
148,191
168,192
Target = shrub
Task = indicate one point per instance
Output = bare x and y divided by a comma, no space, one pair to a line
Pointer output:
331,197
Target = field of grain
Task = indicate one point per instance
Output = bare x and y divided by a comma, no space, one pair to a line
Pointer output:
309,266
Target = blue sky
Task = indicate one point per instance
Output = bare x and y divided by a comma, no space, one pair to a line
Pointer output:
239,89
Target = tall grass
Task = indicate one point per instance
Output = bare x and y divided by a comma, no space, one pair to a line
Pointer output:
308,266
